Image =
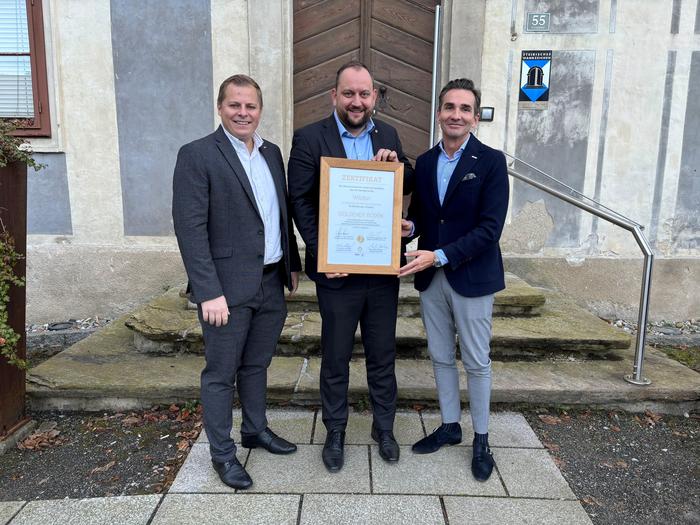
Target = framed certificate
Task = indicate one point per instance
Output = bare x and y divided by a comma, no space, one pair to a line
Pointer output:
359,227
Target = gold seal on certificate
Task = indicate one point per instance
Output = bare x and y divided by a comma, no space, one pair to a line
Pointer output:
359,228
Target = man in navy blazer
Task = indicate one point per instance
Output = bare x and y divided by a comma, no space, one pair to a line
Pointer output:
230,211
458,209
346,300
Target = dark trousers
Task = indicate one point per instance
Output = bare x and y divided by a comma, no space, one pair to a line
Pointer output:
372,301
237,357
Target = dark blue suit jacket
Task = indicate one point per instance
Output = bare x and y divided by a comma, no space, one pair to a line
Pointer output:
468,225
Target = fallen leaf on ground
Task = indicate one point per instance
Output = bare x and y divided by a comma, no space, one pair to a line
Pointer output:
552,446
614,428
131,420
41,440
617,464
549,420
103,468
192,434
590,500
651,415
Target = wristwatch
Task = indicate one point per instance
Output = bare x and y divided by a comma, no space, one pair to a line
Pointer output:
436,261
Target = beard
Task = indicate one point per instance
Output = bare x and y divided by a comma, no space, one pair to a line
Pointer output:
344,117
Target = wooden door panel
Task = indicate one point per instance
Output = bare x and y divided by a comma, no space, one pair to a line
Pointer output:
401,76
406,17
402,46
312,109
327,45
303,4
320,78
404,107
310,22
413,140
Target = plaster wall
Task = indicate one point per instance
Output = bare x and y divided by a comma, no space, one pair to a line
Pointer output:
632,114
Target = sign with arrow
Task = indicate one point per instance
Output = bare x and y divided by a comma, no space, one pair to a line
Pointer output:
535,67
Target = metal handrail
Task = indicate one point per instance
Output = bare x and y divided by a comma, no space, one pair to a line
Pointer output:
603,212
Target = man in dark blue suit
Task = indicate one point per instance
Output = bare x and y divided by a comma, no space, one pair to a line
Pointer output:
458,209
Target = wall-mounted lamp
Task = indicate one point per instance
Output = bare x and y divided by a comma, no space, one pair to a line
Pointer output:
486,114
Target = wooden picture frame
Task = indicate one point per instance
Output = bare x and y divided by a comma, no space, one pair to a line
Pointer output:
359,227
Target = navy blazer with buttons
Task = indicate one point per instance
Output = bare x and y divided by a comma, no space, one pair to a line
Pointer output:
468,224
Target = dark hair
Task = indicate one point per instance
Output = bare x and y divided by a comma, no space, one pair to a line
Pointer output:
240,81
462,83
353,64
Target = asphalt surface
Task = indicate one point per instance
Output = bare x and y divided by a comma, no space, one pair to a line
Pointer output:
84,455
627,468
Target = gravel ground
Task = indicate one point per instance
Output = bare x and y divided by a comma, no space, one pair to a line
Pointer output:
87,455
627,468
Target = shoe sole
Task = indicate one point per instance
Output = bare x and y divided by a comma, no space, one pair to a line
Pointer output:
433,451
268,450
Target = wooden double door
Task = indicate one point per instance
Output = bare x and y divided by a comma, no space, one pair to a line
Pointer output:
393,37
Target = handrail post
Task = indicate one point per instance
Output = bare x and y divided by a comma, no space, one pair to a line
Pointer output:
636,377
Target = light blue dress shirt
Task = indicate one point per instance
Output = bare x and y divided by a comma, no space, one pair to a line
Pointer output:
265,193
445,168
356,148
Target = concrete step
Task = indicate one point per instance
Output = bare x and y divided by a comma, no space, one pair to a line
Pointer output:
105,372
165,326
519,298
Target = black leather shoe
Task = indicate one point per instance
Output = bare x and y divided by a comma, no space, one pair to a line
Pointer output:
388,447
233,474
482,461
270,441
333,450
450,434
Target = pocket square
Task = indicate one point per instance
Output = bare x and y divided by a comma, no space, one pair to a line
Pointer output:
468,176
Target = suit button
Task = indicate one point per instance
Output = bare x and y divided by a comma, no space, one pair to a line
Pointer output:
260,232
442,221
260,256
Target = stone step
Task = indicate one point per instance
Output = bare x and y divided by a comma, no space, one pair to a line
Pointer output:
519,298
165,326
105,372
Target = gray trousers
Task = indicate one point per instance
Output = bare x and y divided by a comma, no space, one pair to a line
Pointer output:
237,357
446,313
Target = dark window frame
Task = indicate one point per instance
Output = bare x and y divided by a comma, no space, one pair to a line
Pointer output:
40,125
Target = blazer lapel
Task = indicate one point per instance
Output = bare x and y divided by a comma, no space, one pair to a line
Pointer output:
435,152
470,156
332,138
226,148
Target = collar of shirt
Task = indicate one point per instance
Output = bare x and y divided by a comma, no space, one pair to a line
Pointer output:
458,153
241,147
345,133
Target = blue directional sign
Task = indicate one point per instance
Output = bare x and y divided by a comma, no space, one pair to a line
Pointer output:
535,67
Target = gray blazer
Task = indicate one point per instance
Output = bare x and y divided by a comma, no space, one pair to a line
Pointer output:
218,227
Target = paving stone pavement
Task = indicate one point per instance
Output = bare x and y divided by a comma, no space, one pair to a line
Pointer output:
526,486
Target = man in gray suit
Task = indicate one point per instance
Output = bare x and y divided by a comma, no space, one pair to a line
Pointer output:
237,243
